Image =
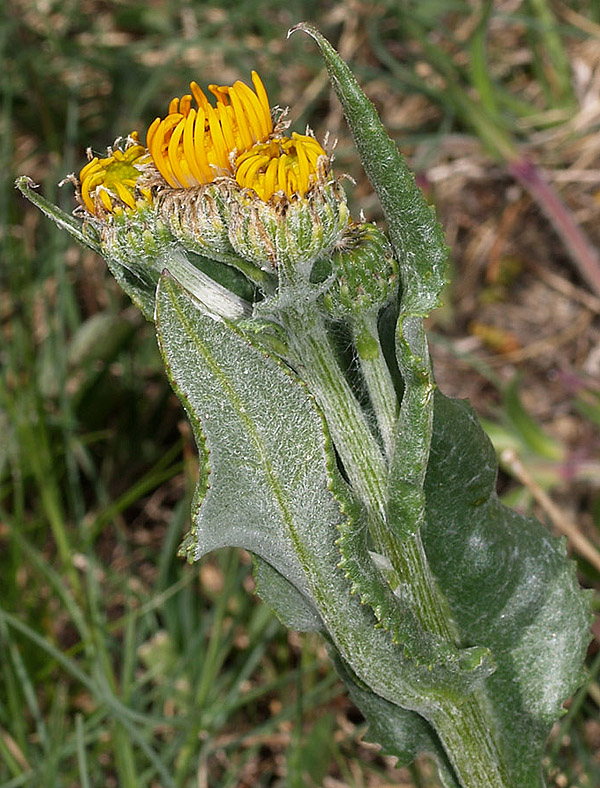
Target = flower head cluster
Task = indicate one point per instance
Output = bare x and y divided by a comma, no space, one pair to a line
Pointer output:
210,168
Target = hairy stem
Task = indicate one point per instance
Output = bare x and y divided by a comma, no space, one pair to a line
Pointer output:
367,470
464,729
377,377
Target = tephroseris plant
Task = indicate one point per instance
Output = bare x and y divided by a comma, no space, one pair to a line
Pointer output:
369,505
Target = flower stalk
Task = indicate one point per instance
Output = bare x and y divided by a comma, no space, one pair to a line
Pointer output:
377,377
465,729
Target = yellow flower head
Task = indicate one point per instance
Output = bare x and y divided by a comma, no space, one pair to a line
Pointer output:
283,164
108,184
193,146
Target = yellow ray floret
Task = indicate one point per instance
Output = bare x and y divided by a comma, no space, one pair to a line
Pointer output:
284,164
192,146
108,184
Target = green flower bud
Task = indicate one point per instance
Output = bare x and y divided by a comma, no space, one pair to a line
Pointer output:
136,239
364,272
288,232
196,216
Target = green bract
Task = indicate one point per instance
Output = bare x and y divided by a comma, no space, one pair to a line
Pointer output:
196,217
366,496
287,233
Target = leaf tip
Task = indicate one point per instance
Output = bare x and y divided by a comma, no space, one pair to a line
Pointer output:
24,184
305,27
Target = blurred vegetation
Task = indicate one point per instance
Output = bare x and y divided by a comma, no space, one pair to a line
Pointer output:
119,664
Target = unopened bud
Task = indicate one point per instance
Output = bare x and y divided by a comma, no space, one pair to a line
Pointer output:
365,273
288,232
196,216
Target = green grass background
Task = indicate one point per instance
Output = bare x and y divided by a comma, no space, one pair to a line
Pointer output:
119,664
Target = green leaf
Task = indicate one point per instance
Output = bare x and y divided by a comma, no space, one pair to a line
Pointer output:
509,585
408,466
417,237
292,608
271,472
401,734
75,228
256,492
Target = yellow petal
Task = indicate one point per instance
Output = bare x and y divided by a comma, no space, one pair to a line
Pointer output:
175,159
264,101
189,151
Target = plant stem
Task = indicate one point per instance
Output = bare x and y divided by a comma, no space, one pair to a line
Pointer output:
356,444
377,377
463,729
467,737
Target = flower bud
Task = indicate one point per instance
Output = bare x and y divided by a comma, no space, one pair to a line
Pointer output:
288,231
136,239
196,216
365,274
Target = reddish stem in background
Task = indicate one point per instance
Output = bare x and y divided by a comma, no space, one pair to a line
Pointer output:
584,255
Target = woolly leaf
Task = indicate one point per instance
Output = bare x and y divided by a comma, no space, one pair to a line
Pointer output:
417,237
509,585
292,608
270,473
401,734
